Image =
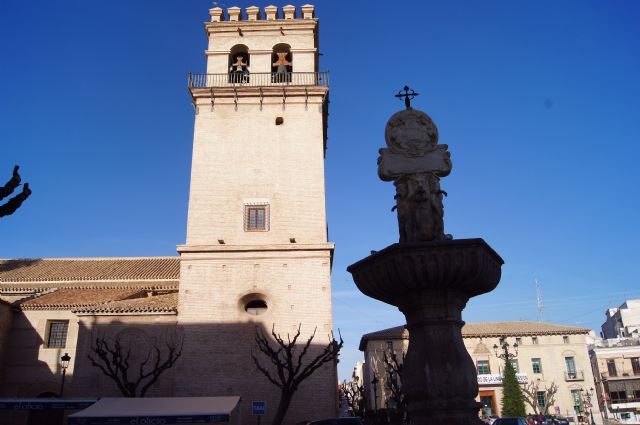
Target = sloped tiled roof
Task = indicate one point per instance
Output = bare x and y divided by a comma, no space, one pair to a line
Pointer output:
64,299
153,304
397,332
88,269
484,329
520,328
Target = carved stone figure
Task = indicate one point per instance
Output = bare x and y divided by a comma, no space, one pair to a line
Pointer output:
415,161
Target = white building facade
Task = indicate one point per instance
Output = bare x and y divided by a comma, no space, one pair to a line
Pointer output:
623,321
547,355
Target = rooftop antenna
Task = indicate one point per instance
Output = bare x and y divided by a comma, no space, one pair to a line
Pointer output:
539,301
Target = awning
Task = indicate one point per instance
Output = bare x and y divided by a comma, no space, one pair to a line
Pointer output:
160,410
45,404
628,385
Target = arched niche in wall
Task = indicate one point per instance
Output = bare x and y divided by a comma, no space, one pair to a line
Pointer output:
254,304
281,63
239,63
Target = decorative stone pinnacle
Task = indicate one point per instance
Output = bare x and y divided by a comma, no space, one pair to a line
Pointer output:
414,161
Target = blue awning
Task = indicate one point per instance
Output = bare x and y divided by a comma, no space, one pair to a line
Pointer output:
159,410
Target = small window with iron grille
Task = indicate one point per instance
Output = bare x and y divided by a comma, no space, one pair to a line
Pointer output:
256,218
57,333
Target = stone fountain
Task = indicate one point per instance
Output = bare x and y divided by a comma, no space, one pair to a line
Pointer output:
428,275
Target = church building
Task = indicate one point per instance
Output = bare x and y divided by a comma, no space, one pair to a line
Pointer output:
256,256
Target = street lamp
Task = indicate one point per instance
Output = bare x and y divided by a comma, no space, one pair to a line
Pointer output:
587,397
504,345
374,382
64,363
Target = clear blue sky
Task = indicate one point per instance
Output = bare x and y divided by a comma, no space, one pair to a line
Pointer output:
538,101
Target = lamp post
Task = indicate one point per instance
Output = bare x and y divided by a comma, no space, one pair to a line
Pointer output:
374,382
587,397
64,363
504,345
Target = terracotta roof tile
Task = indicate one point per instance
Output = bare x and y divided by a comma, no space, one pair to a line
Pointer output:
153,304
484,329
88,269
33,287
520,328
63,299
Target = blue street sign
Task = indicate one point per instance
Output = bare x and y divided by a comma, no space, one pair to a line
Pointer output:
258,407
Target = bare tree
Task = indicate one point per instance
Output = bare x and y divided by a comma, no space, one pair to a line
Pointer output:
133,378
530,393
287,358
14,203
354,393
393,370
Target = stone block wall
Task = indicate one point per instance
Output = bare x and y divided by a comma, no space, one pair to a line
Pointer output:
241,155
138,332
220,334
30,367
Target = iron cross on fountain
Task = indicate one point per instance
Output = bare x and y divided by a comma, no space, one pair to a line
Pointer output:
408,95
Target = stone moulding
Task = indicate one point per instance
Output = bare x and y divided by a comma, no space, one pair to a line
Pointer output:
462,265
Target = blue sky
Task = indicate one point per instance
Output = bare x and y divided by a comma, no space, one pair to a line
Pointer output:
538,102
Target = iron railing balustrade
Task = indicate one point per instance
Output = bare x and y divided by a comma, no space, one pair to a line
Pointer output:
259,79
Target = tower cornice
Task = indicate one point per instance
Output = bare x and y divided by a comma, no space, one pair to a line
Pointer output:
188,249
279,26
260,92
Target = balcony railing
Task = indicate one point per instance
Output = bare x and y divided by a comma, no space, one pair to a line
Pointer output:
259,79
624,400
620,375
574,376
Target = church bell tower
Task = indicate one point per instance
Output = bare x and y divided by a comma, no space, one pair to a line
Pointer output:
256,253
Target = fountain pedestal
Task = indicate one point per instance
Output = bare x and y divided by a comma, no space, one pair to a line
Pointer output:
431,282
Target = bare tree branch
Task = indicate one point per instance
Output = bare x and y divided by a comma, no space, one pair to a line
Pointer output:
109,358
393,370
289,362
530,393
354,393
14,203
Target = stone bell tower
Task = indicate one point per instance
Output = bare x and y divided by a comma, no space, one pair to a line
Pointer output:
256,253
